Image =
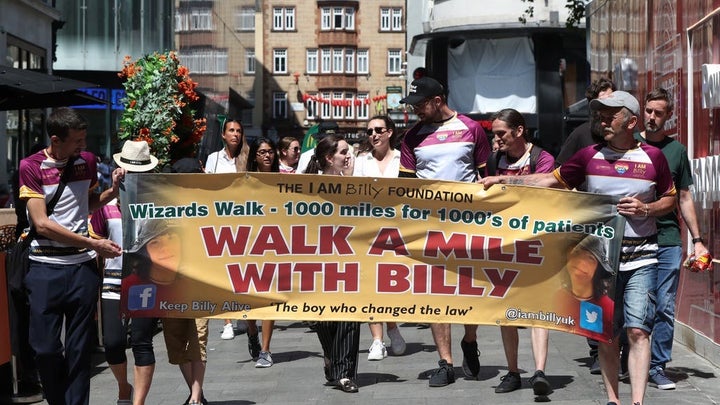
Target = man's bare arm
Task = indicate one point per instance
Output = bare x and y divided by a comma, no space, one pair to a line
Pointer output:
537,179
687,210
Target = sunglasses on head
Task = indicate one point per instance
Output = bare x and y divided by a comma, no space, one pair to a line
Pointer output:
378,130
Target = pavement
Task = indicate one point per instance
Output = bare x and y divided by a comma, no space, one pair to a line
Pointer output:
297,375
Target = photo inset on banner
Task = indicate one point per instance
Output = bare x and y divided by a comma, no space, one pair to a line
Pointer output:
587,289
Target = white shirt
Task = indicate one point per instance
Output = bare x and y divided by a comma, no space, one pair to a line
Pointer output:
221,165
368,166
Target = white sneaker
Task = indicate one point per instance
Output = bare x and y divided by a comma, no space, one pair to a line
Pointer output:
397,343
264,360
228,332
377,350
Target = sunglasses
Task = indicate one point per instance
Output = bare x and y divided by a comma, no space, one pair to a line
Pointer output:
295,149
378,130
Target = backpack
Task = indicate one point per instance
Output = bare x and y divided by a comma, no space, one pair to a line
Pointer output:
494,159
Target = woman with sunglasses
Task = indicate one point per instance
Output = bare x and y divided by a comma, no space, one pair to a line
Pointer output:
288,154
382,161
262,158
340,341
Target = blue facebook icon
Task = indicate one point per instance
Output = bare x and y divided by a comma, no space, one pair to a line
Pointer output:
591,317
141,297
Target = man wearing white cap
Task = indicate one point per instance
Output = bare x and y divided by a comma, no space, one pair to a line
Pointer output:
638,174
62,280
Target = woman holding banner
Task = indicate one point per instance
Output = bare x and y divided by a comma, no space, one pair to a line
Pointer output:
340,341
381,161
232,158
262,159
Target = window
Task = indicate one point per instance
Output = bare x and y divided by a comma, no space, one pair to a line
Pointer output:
279,104
245,19
391,19
250,60
194,19
337,60
325,61
363,61
311,63
350,61
325,106
362,107
279,61
283,19
337,105
349,105
311,106
337,18
247,113
205,60
394,62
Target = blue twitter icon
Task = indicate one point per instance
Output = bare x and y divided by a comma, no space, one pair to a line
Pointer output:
591,317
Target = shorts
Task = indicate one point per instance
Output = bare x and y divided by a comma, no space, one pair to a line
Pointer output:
185,339
635,299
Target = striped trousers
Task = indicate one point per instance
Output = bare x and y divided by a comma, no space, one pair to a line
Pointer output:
340,342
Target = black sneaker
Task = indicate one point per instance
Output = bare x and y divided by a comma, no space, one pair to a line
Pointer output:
540,384
254,346
471,359
595,366
510,382
443,375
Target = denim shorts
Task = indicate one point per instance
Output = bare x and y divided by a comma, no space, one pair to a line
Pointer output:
635,299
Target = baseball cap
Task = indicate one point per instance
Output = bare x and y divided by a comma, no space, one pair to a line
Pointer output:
421,89
617,98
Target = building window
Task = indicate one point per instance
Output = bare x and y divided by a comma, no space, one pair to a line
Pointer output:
337,18
279,105
325,106
247,113
394,62
245,19
311,63
337,105
194,19
363,61
283,19
325,61
311,106
362,108
391,19
205,60
337,60
250,61
350,61
279,61
349,105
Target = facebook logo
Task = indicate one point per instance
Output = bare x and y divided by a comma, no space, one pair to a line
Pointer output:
141,297
591,317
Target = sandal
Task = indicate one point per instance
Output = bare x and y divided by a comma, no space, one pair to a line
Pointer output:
347,385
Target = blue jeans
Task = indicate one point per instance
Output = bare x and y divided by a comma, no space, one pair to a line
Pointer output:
635,299
669,258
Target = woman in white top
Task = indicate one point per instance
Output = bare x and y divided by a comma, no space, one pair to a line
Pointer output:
232,157
381,161
288,154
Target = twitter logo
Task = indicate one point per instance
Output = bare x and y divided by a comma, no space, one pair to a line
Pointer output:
591,317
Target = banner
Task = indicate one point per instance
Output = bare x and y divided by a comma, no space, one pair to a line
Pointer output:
312,247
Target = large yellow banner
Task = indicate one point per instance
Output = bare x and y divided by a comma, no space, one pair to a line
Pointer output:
312,247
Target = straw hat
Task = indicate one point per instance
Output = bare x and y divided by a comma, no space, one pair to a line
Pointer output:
135,157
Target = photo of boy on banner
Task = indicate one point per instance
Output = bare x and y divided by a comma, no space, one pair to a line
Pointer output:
588,288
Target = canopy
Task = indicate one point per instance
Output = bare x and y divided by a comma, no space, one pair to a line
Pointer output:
24,89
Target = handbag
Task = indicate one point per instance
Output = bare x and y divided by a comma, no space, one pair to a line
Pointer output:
17,261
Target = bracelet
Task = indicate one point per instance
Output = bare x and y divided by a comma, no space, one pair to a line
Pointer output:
647,210
698,239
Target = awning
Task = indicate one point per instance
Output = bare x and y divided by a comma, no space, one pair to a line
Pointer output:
23,89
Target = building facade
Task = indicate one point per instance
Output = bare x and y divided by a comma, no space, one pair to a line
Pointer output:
643,44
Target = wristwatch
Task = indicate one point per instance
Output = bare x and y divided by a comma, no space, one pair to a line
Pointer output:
698,239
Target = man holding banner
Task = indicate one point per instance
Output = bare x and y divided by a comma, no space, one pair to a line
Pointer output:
443,145
635,173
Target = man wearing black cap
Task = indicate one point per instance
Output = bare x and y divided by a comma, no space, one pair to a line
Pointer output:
443,145
639,175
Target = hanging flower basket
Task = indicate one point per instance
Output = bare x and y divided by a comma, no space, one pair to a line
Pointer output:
159,93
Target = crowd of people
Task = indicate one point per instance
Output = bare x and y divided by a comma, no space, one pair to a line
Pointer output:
62,283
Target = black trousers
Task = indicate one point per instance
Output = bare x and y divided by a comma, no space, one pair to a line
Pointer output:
340,342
